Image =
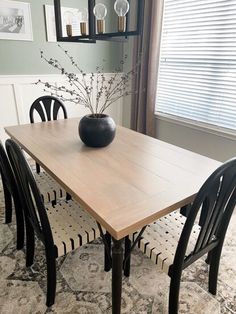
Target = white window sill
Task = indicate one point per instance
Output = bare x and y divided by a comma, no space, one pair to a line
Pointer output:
204,127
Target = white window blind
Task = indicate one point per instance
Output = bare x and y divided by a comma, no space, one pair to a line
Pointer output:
197,73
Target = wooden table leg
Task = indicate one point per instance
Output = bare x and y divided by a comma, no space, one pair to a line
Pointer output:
117,267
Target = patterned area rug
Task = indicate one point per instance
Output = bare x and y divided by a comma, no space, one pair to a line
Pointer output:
84,288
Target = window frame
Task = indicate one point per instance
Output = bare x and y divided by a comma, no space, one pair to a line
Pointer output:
194,124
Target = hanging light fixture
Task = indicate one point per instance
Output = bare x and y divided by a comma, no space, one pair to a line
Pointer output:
84,22
100,12
68,16
122,8
93,18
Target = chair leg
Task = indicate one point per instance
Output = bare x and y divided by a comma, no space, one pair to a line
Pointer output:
19,227
209,258
8,205
127,257
51,278
30,244
107,259
214,269
68,196
185,210
37,168
174,293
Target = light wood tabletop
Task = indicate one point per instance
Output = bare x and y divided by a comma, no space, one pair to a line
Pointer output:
124,186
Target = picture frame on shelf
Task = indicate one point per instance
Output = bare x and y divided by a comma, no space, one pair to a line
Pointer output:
75,15
15,20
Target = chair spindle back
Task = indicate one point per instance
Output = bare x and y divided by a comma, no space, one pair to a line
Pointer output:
48,108
34,210
215,201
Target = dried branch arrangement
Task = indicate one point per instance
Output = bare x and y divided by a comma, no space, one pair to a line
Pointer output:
81,85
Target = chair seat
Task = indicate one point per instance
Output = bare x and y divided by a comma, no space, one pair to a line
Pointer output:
50,190
2,201
160,239
71,226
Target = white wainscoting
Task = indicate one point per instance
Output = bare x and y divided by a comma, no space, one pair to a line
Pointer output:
17,93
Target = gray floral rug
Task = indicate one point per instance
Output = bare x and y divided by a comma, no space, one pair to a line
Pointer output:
84,288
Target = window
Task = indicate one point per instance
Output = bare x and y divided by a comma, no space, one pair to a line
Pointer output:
197,73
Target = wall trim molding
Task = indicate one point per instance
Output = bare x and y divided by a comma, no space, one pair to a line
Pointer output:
24,79
19,91
21,79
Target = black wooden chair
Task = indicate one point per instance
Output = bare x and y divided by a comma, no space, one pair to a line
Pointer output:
61,228
11,193
47,108
174,242
48,190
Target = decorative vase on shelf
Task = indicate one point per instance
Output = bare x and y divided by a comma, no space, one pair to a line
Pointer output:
97,130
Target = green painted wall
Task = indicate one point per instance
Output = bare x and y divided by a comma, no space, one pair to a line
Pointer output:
22,57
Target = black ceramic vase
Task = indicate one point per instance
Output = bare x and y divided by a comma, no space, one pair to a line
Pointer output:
97,131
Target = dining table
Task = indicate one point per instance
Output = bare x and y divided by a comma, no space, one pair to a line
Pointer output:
125,186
